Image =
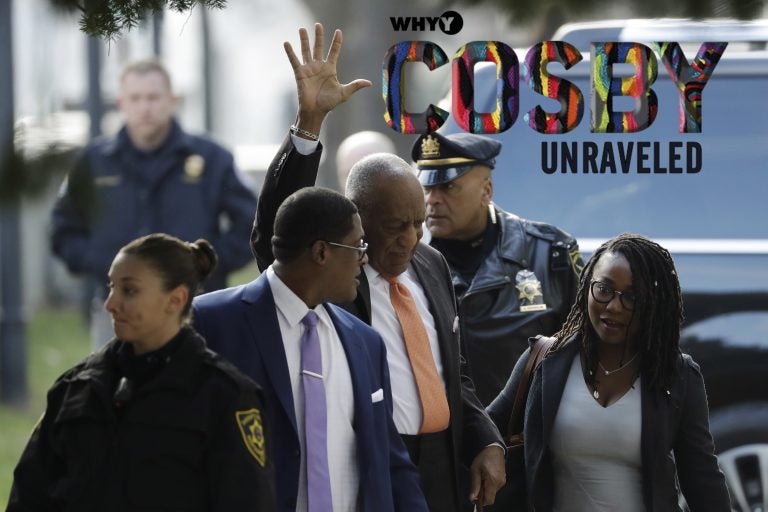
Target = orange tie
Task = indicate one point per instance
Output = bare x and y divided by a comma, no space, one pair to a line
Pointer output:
434,403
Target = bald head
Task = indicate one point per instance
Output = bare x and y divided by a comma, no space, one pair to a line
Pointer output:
357,146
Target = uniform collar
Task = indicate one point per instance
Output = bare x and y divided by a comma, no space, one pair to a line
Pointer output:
512,238
177,140
183,366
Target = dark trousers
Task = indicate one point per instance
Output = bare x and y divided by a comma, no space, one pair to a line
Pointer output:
432,456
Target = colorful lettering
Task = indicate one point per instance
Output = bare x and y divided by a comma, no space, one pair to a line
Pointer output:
507,98
393,87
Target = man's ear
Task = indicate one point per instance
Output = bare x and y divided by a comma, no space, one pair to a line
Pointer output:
320,252
488,191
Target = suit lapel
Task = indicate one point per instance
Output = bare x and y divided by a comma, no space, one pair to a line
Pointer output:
357,359
361,306
654,413
441,308
265,331
363,299
554,374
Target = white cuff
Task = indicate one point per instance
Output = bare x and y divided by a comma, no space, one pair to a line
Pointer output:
304,146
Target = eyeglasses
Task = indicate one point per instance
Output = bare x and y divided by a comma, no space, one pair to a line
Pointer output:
360,249
604,294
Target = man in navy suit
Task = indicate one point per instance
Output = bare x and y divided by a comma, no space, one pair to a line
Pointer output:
261,327
391,204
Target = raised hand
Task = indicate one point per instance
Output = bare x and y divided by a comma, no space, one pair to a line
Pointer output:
317,85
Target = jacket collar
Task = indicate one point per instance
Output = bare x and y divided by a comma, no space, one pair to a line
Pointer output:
554,374
100,371
262,320
180,373
511,246
512,238
361,306
178,140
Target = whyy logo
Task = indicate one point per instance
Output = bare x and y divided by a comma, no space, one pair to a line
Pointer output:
450,22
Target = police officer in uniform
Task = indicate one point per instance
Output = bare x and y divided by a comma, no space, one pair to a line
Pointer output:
151,177
153,421
514,278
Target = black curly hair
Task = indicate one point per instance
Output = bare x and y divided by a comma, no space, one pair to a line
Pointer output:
659,309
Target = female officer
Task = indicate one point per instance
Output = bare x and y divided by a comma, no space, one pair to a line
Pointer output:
154,421
616,412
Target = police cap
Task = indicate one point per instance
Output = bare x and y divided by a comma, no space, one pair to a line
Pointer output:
443,158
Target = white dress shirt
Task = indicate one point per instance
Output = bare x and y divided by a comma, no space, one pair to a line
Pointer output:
405,396
342,446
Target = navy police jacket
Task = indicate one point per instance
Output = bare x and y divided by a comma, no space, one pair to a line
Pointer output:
185,188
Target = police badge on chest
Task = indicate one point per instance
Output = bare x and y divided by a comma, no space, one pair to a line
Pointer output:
529,288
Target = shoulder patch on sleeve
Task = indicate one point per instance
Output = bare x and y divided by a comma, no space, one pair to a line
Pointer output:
252,430
576,260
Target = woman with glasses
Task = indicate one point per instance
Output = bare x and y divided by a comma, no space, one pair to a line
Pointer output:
616,414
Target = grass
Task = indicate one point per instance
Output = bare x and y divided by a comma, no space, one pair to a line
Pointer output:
56,340
244,275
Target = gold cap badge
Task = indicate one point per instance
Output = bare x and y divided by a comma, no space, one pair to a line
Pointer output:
430,147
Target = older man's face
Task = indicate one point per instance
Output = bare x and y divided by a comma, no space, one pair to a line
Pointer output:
393,225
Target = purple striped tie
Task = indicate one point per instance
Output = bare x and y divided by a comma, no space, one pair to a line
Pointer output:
315,424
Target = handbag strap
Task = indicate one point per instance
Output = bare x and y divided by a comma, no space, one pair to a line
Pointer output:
538,353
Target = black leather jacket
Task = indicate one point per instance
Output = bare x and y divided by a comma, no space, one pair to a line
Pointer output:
503,306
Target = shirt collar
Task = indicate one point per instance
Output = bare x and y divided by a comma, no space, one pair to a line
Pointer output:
289,304
376,279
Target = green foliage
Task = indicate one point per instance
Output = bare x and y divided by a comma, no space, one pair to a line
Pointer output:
109,18
29,173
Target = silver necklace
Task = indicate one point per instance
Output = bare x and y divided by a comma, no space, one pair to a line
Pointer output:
609,372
